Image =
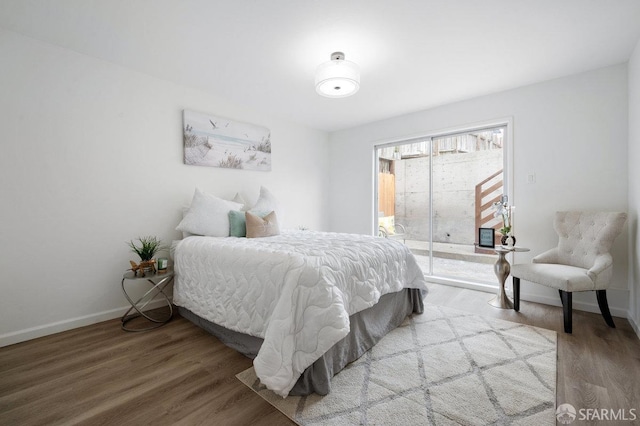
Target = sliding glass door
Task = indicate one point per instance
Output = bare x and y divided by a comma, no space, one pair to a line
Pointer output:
435,192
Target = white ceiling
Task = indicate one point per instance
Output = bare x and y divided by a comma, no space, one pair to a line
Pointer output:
413,54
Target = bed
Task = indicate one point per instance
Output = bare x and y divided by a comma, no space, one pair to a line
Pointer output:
303,304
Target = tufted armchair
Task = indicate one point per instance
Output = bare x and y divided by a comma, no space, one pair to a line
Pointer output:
581,262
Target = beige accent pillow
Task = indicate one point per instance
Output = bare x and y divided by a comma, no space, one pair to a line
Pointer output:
258,227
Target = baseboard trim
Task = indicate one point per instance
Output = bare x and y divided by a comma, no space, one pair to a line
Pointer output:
546,300
60,326
633,323
577,305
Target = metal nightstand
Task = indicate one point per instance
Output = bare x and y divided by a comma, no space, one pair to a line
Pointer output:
159,281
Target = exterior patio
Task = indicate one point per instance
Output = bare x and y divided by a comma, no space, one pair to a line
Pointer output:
455,260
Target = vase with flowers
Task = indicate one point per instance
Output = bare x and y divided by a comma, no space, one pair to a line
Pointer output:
504,210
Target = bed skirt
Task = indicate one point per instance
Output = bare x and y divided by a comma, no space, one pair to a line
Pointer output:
366,329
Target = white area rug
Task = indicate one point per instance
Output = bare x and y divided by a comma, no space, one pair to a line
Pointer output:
444,367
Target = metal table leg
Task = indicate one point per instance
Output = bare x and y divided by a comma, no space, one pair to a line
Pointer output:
157,290
502,268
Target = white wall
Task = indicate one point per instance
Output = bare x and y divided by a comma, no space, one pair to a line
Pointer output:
571,132
91,158
634,187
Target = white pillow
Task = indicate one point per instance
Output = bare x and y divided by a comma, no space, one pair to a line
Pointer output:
238,199
185,234
267,203
208,215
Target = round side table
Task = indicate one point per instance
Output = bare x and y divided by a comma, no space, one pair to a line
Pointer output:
158,281
502,268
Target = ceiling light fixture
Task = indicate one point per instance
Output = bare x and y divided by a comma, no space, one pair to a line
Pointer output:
337,78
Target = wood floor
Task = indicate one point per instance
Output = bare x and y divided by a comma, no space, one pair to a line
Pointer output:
180,375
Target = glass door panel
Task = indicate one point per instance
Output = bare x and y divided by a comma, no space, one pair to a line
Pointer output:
403,197
467,173
434,194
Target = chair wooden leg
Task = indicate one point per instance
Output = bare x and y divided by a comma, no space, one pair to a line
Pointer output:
567,306
516,294
604,307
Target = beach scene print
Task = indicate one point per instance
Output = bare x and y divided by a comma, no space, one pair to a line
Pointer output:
220,142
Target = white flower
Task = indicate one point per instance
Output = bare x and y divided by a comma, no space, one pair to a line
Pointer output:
504,209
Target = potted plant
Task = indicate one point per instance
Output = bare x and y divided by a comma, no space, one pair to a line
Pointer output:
147,249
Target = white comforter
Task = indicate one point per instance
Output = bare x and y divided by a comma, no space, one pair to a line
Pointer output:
295,290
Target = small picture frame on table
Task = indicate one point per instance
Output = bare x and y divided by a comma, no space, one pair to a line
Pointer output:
487,237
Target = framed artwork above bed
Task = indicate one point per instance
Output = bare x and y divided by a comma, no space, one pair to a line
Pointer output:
215,141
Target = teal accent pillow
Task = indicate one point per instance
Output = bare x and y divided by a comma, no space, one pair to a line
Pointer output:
238,222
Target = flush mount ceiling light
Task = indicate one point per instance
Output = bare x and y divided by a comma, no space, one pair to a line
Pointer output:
337,78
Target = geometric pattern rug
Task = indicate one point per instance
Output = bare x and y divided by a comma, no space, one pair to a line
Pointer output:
442,367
